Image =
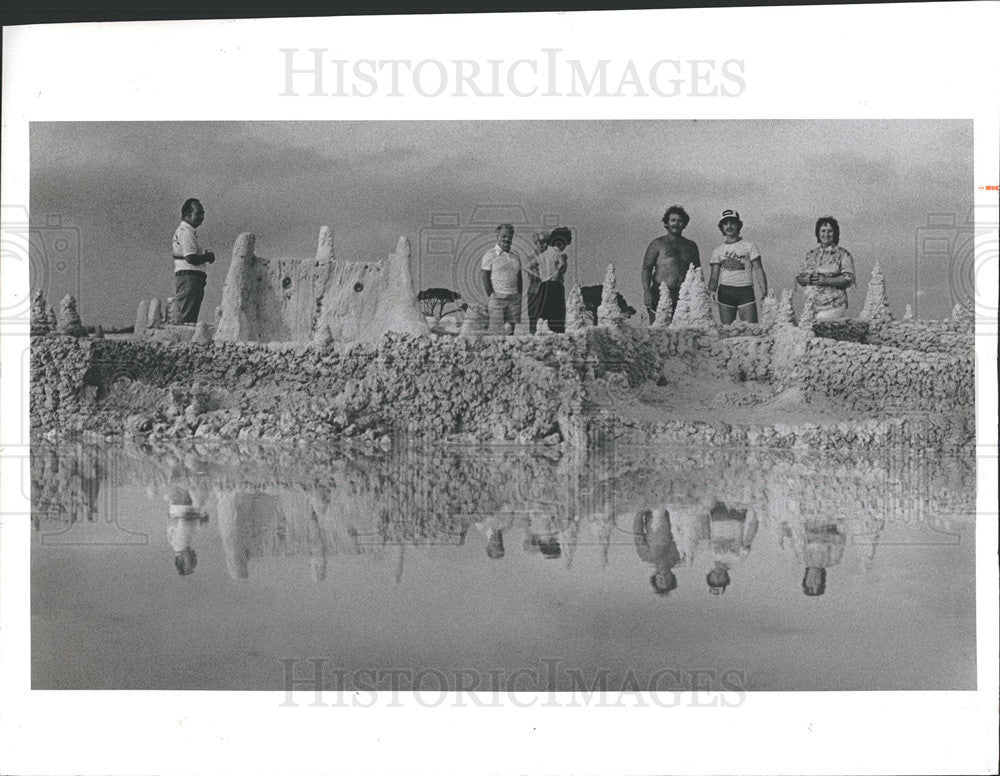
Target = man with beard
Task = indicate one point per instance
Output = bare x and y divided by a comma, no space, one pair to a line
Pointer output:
667,260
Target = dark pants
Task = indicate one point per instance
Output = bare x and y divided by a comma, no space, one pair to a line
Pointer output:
548,303
190,292
655,291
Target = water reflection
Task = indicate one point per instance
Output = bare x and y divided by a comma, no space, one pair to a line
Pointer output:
779,565
681,510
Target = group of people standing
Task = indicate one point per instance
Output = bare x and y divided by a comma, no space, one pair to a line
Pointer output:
504,276
737,271
736,283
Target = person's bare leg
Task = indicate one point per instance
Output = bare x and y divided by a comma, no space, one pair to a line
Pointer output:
727,314
748,312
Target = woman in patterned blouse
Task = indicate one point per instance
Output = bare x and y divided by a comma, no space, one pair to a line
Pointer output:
827,273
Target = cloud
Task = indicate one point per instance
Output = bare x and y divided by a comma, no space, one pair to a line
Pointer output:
122,183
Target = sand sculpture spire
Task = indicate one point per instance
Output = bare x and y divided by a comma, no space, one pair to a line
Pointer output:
69,318
664,308
39,314
876,309
693,303
577,316
609,313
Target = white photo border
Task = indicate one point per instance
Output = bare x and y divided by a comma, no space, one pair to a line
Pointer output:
921,61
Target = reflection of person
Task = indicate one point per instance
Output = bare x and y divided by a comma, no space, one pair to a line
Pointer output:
236,518
654,542
493,527
667,260
735,265
501,275
185,517
730,533
827,272
819,544
542,536
547,271
189,262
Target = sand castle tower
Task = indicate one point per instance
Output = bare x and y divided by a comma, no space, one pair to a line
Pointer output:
908,313
363,302
39,315
317,300
962,314
784,312
475,322
808,310
876,309
577,316
694,306
664,309
69,319
769,310
609,314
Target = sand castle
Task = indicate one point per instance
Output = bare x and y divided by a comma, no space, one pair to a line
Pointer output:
327,349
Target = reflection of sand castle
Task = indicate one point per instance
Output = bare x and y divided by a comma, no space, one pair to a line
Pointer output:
285,522
317,300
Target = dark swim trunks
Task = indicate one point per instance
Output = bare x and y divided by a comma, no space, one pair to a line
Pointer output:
736,296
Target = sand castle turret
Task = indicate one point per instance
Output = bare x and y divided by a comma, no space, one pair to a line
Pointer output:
609,313
172,310
694,306
317,300
664,309
324,248
784,312
201,333
808,310
39,315
364,301
577,316
69,318
876,309
542,327
908,313
155,313
962,313
769,310
476,321
53,321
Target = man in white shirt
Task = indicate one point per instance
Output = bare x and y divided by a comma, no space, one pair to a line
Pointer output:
187,513
501,275
189,262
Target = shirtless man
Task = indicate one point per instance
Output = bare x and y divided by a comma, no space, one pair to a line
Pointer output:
667,260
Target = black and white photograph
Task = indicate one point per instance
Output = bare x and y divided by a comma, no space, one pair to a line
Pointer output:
635,412
567,428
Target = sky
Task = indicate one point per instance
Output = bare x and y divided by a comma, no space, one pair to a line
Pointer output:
106,197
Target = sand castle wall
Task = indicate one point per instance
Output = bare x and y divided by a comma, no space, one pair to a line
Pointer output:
524,389
318,300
